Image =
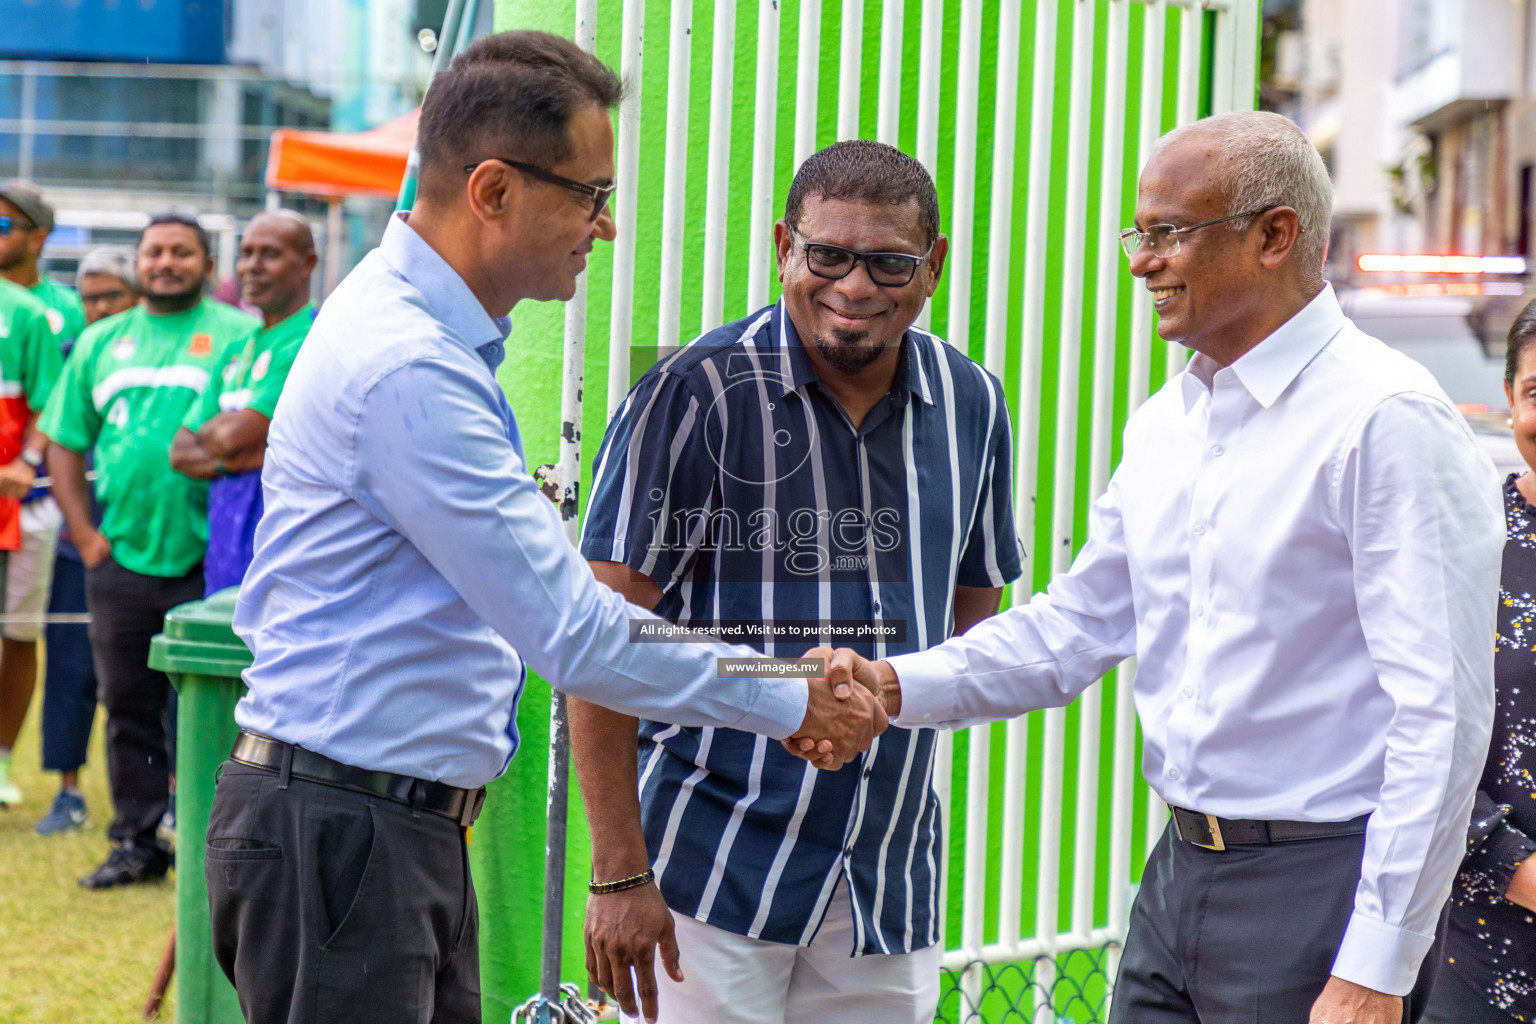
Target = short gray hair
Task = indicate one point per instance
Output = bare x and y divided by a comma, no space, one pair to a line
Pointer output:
109,261
1267,160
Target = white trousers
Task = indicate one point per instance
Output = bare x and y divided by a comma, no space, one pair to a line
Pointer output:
732,979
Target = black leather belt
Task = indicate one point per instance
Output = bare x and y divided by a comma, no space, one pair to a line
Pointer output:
1212,833
257,751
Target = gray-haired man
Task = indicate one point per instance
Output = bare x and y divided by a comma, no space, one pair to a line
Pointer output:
1301,546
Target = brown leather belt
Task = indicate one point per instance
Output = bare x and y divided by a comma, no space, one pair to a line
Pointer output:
1212,833
258,751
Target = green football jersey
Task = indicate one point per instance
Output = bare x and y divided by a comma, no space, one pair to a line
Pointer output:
253,378
30,360
66,314
124,393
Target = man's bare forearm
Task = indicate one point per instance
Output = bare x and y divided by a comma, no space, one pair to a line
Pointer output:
603,746
67,470
189,458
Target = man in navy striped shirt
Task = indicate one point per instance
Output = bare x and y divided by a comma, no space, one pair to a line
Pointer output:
821,471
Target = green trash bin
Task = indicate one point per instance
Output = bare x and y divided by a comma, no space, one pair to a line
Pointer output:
204,659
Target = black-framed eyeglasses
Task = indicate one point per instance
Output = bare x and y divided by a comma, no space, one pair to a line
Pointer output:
599,194
1163,239
9,224
888,269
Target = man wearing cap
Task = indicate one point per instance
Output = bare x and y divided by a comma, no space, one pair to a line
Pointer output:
108,286
224,435
26,219
123,396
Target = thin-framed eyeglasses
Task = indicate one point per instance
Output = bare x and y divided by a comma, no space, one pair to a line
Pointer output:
888,269
1163,239
9,224
599,194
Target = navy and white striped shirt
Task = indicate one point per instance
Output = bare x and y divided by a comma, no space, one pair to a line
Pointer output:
736,482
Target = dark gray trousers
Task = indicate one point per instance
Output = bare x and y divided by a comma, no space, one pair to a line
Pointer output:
1244,936
331,905
127,610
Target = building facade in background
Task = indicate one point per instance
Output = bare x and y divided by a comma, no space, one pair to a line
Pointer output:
1426,113
117,108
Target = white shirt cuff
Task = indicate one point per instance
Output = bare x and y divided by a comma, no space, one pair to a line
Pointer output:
779,709
1381,956
927,689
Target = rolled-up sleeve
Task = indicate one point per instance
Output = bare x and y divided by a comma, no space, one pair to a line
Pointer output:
433,461
1420,506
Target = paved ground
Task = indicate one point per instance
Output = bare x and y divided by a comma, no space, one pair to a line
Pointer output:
68,956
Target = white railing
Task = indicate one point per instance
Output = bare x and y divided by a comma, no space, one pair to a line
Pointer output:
1036,281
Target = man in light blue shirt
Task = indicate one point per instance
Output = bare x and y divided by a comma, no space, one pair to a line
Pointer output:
408,572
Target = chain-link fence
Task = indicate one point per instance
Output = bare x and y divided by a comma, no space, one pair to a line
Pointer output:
1072,988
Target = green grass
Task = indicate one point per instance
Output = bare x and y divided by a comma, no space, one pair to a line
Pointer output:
68,956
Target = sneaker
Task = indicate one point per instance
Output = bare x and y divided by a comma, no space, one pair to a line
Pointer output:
166,832
10,796
128,864
67,812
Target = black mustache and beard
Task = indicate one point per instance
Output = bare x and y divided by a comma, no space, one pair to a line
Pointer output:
845,353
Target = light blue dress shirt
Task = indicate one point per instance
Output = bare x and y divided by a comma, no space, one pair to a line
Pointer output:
407,570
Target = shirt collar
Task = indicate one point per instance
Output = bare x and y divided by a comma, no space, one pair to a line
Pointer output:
796,369
1267,369
451,300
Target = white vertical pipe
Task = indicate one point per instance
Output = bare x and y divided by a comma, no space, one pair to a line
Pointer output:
1157,818
1090,722
1142,338
620,321
675,177
973,909
1048,894
888,105
1073,268
850,69
575,348
1236,60
1106,246
1191,61
1000,241
760,259
1037,239
718,178
1015,795
943,774
963,194
930,60
808,67
1122,792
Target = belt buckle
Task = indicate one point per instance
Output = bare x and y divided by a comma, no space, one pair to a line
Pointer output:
473,801
1212,828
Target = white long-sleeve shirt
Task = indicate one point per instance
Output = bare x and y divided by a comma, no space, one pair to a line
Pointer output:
1302,550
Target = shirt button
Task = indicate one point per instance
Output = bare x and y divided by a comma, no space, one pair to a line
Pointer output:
1173,773
1199,611
1188,691
848,852
868,772
1217,449
877,607
1199,529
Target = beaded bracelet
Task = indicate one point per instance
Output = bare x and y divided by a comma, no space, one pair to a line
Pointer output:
632,882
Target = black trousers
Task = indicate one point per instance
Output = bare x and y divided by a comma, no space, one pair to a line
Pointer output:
1244,936
331,905
69,679
127,610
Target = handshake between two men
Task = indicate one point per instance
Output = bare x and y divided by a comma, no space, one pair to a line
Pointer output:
848,706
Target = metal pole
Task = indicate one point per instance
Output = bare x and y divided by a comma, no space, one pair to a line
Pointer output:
674,178
760,256
621,326
851,61
717,181
333,244
559,726
929,61
962,213
888,108
451,21
807,67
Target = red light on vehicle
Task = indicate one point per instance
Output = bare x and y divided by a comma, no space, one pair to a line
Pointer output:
1386,263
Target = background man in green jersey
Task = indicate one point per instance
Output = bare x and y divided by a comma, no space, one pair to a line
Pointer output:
124,392
26,220
223,438
29,365
108,285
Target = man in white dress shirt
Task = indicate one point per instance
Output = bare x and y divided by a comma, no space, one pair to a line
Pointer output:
1301,546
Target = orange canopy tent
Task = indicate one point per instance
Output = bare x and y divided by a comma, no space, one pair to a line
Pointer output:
370,163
